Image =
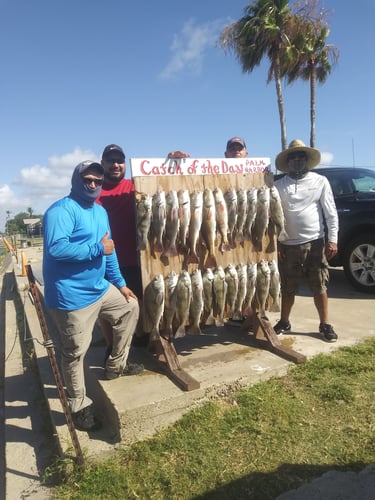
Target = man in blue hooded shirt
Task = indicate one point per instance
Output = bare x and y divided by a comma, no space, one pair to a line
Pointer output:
83,282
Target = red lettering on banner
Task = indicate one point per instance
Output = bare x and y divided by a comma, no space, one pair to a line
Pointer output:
150,167
163,169
143,166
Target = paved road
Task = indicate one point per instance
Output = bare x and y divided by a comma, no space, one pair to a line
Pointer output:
25,436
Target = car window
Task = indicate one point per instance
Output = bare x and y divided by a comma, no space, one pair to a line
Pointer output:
340,184
337,186
364,183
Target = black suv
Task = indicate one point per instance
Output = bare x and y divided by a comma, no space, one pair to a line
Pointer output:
354,192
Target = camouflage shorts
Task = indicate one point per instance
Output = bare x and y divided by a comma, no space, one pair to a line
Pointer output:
307,260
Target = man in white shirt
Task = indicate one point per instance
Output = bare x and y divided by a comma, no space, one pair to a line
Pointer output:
309,207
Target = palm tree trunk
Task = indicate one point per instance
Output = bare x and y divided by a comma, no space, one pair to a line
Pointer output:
280,103
312,105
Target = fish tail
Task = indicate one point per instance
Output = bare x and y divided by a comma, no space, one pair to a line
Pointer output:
210,261
194,330
239,237
225,246
210,320
159,246
237,316
275,307
154,335
192,258
283,235
219,321
180,332
170,252
168,333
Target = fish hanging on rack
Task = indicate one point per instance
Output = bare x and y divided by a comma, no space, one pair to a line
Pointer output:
184,213
221,212
144,212
208,230
196,304
153,306
183,300
158,219
172,225
196,214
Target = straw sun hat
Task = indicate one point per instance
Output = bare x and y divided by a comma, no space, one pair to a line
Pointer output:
313,155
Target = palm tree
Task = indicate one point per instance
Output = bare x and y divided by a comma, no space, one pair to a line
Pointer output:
262,32
31,211
314,59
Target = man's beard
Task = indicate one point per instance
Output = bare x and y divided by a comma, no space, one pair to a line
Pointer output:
113,178
298,170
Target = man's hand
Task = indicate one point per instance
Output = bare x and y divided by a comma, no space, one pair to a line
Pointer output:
178,154
330,250
108,245
127,293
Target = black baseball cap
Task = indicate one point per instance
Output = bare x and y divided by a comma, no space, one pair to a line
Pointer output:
113,148
236,140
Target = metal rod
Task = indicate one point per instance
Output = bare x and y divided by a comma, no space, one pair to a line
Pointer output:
52,358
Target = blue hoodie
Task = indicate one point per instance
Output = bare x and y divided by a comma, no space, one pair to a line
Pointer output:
76,272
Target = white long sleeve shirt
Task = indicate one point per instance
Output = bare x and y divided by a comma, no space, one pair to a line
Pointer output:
306,203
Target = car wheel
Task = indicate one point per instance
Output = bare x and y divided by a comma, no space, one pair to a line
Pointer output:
359,263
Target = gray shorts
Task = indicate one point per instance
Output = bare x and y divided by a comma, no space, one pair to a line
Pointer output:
303,261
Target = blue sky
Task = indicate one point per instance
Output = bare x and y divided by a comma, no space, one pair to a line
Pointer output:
79,74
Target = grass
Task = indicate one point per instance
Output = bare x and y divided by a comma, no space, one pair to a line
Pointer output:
260,442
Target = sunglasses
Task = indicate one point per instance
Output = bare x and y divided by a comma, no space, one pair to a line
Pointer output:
114,160
297,156
90,180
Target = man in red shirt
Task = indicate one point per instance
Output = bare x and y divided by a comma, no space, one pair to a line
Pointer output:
118,198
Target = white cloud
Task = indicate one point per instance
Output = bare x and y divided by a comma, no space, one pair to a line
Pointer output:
326,158
190,45
38,186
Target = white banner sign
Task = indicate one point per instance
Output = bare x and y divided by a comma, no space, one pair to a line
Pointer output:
148,167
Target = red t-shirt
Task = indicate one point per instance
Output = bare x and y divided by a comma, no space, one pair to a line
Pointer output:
119,201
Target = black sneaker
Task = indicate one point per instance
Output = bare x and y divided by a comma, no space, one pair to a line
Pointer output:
328,332
130,369
133,369
282,327
84,420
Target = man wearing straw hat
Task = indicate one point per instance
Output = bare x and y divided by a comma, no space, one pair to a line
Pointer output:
309,207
